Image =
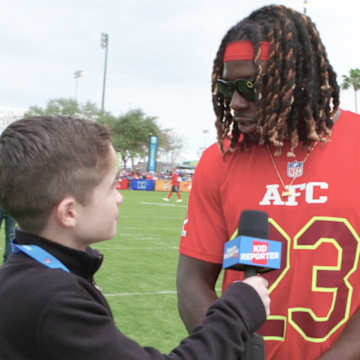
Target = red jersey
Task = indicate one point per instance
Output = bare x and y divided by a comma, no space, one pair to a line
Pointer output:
317,289
175,179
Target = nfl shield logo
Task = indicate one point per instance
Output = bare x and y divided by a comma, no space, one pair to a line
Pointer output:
295,169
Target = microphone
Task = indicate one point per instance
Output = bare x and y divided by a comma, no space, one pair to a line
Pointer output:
253,253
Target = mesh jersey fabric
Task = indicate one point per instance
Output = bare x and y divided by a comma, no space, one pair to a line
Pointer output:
316,290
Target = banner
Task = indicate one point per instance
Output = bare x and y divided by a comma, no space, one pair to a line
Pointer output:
185,186
123,184
165,185
136,184
153,142
162,185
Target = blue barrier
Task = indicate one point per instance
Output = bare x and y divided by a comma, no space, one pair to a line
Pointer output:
148,185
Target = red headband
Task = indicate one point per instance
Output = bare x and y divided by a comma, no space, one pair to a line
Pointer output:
244,50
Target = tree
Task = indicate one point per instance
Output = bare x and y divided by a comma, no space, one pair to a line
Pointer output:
66,107
171,145
131,133
352,81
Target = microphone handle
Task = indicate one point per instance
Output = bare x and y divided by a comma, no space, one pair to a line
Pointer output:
250,271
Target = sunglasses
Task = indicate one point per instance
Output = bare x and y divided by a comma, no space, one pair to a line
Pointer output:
244,87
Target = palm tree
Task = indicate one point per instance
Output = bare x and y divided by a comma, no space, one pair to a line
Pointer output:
352,81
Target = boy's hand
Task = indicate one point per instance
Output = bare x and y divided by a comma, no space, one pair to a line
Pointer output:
260,285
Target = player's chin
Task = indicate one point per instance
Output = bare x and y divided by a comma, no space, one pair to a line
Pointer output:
252,137
247,128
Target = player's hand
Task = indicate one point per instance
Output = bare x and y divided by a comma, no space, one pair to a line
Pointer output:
260,285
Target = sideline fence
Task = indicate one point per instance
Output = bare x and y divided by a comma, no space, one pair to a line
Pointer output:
151,185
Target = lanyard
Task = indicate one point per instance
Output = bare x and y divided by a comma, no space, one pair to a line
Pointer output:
40,255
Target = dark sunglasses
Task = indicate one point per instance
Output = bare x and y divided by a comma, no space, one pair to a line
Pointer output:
244,87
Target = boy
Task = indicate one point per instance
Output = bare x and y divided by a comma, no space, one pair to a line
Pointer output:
58,181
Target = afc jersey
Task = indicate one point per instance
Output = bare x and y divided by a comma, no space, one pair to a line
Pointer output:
317,289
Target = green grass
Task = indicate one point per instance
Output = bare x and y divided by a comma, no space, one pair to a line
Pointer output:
139,264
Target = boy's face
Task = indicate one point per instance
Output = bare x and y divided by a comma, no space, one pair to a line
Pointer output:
97,220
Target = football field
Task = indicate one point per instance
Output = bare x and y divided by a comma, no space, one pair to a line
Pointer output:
138,276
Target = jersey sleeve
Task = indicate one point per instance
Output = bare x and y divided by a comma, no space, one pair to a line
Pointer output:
204,231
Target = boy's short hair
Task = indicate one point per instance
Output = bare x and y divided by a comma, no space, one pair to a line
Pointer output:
45,158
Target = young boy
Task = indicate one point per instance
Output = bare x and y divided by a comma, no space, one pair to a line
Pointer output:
58,180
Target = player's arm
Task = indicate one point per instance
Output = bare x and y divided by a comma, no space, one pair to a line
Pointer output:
196,289
347,347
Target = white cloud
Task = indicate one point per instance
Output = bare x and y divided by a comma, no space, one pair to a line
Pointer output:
160,53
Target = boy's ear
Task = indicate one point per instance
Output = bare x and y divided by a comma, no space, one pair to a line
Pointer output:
66,212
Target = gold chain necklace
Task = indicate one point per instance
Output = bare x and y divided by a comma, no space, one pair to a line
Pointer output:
287,188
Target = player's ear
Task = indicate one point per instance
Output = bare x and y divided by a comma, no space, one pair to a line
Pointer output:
66,212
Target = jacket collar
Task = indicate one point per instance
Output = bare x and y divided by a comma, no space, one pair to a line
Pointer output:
82,263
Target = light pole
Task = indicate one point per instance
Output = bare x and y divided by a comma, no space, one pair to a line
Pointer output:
205,132
104,45
305,4
77,75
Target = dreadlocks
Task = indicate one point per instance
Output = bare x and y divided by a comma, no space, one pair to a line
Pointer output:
298,97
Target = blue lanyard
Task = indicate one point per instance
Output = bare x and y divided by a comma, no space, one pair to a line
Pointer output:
40,255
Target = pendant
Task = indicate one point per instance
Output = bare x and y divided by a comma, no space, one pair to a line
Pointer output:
287,191
295,169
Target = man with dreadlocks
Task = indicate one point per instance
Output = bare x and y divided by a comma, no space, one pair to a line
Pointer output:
282,148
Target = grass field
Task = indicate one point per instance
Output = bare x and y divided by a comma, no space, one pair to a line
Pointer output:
139,270
138,276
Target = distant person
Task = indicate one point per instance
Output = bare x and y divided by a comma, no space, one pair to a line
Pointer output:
174,187
10,225
284,147
50,307
134,176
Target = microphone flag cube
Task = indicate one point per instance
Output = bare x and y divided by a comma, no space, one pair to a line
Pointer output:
244,252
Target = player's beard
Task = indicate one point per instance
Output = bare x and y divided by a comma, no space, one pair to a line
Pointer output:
252,138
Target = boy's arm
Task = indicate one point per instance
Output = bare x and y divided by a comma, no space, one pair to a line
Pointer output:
77,327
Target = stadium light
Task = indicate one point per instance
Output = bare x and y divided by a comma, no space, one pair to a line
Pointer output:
104,45
77,75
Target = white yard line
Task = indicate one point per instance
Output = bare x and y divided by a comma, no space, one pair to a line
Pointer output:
161,204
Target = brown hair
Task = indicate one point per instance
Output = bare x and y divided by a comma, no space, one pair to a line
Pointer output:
43,159
298,97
